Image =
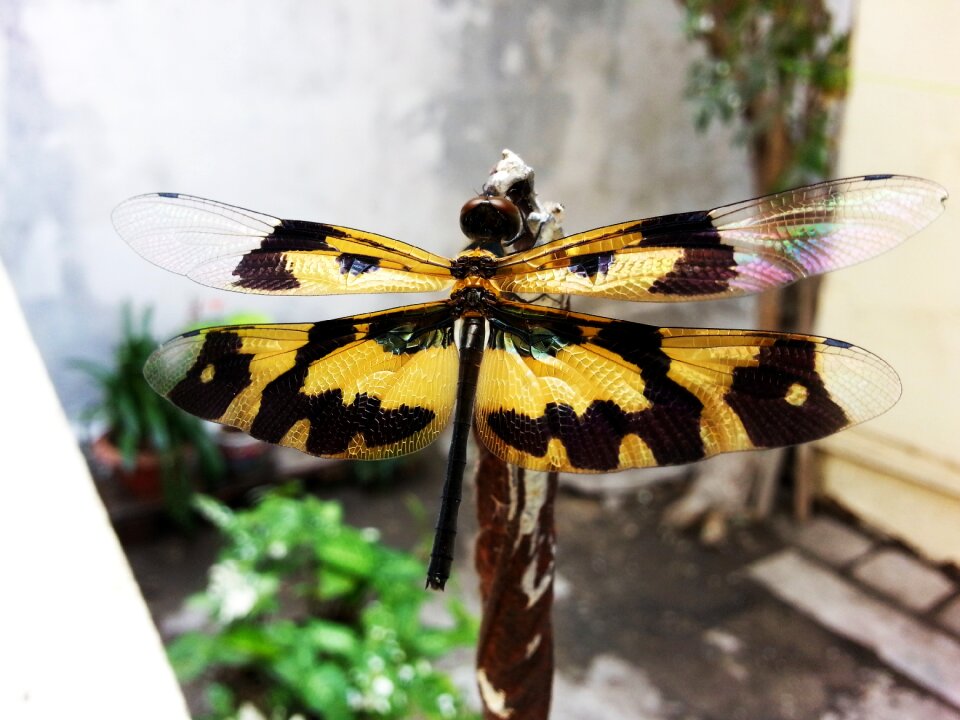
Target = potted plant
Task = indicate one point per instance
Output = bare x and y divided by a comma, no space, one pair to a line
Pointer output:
155,449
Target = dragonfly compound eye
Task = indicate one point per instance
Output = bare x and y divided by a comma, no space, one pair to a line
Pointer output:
486,219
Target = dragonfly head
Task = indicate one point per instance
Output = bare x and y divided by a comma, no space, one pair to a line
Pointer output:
491,223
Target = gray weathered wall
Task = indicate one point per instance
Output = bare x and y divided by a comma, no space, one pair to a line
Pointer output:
384,116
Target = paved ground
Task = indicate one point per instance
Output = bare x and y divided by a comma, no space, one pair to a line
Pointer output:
707,634
817,623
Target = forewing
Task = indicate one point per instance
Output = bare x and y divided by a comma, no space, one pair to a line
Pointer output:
362,387
236,249
732,250
579,393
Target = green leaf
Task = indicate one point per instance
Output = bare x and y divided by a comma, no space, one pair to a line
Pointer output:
283,633
215,512
156,425
242,643
221,699
332,638
348,552
434,643
324,690
128,415
328,515
399,569
191,654
333,584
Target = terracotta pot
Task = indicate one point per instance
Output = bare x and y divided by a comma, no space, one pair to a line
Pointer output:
143,480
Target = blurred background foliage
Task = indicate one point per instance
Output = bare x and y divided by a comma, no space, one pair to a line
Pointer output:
778,69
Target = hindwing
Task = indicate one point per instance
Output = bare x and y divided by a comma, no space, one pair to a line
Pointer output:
362,387
578,393
743,248
228,247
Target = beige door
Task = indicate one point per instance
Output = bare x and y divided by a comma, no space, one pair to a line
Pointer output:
901,472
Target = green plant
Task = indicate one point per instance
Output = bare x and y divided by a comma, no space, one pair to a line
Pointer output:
138,420
313,617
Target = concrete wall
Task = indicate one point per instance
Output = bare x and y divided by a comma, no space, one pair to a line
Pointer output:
383,116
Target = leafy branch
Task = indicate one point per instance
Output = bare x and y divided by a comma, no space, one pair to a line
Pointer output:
779,68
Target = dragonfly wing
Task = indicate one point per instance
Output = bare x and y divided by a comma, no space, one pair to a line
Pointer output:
236,249
363,387
737,249
578,393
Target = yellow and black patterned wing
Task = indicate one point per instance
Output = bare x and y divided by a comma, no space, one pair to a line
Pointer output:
362,387
236,249
579,393
733,250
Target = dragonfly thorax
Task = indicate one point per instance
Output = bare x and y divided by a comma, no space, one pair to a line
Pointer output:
471,300
474,265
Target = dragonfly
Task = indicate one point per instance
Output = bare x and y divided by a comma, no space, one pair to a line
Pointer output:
544,388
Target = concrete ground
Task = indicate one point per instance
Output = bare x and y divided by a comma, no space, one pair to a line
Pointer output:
662,627
822,622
